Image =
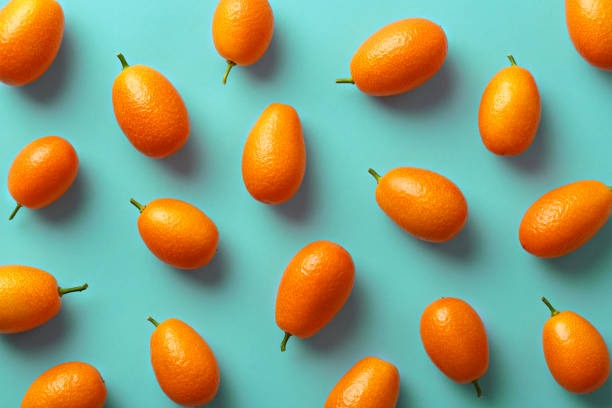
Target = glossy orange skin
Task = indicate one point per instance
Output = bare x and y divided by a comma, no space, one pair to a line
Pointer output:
510,111
42,172
455,339
274,156
242,30
575,352
425,204
29,297
150,111
68,385
565,219
184,364
314,287
371,383
31,34
178,233
589,23
399,57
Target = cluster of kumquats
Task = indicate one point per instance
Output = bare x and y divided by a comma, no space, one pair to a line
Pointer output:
319,279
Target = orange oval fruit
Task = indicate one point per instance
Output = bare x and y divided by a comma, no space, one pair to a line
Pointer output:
371,383
31,34
399,57
178,233
314,287
242,31
510,110
68,385
456,341
588,23
184,365
274,156
29,297
42,172
576,354
150,111
565,219
425,204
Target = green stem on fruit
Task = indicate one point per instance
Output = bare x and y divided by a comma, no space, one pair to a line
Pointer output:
138,205
478,390
63,291
230,65
152,320
512,60
284,342
345,81
553,311
14,213
124,63
375,175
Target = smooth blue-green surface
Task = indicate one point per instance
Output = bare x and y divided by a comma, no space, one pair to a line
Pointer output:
90,234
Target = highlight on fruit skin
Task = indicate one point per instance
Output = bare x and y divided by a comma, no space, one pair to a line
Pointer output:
315,285
242,31
566,218
588,24
575,352
510,111
42,172
31,33
29,298
423,203
398,58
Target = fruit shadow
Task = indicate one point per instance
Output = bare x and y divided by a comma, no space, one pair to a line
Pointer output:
536,156
586,259
223,399
268,65
35,340
212,274
403,399
48,86
463,246
600,398
434,91
186,162
493,379
300,205
342,326
68,205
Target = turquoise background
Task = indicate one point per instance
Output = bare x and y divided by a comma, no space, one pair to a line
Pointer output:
90,234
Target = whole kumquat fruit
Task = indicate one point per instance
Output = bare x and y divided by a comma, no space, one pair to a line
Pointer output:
29,297
565,219
242,31
425,204
150,111
371,383
184,365
177,233
576,354
42,172
31,34
399,57
456,341
510,111
68,385
274,157
314,287
588,23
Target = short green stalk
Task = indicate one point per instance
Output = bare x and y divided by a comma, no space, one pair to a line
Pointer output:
478,390
152,320
553,311
14,213
63,291
137,205
230,65
345,81
284,342
375,175
124,63
512,60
